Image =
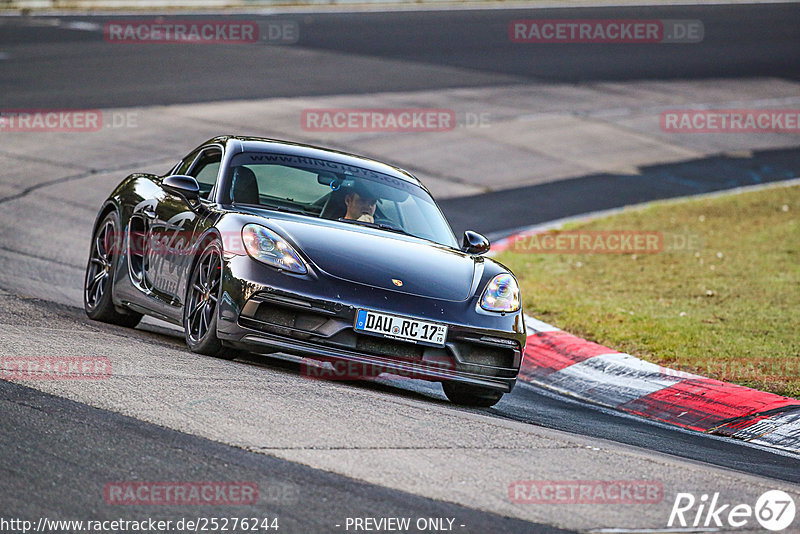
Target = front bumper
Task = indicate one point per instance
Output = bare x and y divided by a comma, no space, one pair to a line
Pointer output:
262,309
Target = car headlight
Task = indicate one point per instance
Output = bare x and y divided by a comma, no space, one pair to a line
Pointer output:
501,294
268,247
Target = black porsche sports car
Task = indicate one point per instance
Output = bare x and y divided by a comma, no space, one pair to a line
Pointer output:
266,246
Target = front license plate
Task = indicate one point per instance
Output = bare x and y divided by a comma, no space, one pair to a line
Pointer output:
404,328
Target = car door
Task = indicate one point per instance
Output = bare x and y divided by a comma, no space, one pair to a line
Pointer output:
172,228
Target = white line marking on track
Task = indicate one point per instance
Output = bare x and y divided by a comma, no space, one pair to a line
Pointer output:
648,530
539,326
81,26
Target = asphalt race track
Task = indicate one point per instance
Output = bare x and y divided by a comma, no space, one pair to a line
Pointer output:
58,432
323,452
418,50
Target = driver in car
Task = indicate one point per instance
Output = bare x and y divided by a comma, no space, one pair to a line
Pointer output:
361,202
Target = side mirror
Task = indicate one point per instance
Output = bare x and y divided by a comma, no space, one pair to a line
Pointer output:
185,186
474,243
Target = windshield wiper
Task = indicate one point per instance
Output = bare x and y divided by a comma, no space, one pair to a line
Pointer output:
382,226
286,209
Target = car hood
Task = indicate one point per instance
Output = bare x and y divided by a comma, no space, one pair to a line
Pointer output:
384,260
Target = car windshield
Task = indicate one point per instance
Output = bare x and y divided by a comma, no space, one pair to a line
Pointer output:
331,190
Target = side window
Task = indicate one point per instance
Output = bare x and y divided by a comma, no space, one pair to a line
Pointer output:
183,166
205,170
174,169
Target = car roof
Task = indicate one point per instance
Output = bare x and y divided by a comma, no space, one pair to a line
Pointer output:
263,144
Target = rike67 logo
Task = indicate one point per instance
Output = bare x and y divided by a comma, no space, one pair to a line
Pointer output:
774,510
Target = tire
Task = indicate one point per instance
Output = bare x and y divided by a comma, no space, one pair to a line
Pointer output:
474,396
200,306
99,279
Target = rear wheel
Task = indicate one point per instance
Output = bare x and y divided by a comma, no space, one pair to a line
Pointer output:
106,245
465,395
200,309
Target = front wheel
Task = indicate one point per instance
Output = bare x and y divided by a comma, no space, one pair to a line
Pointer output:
465,395
200,307
97,302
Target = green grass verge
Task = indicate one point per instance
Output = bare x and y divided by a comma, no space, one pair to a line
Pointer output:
727,308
